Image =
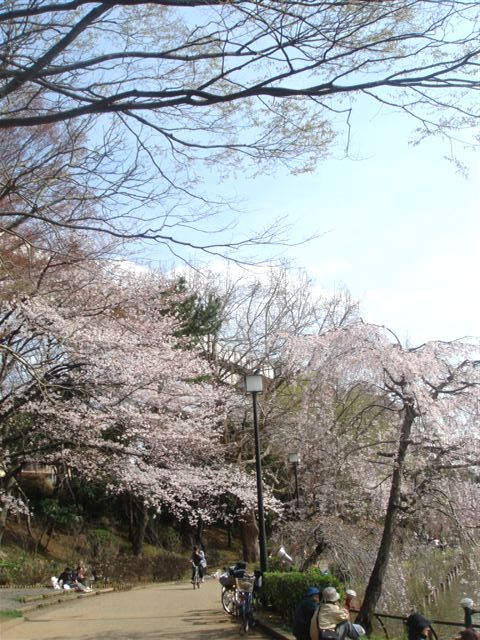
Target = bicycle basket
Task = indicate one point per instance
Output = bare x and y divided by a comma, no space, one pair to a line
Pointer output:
245,584
227,581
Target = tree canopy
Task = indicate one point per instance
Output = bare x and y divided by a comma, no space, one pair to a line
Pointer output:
186,88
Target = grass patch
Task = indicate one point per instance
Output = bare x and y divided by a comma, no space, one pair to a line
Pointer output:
10,613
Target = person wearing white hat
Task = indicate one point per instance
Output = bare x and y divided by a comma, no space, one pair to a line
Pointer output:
330,621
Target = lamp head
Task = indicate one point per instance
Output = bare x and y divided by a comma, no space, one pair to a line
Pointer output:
254,382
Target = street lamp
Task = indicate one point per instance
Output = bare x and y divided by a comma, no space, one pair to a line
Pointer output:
467,604
294,458
254,385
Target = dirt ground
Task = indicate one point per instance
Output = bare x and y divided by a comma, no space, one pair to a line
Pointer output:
171,611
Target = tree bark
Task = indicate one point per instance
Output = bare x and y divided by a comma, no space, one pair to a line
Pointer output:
8,484
375,583
138,520
249,538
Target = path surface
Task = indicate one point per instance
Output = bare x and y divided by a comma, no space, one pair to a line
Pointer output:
171,611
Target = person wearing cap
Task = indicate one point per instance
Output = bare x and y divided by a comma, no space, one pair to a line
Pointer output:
304,613
331,622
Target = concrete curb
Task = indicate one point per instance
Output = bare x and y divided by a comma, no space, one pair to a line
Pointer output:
272,630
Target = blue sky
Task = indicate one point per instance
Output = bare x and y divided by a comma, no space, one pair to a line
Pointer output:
399,225
401,228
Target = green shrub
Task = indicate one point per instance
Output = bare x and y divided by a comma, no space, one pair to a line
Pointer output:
284,590
213,557
27,571
170,538
169,567
10,613
103,544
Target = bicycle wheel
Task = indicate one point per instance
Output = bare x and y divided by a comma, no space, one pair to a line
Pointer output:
228,600
246,613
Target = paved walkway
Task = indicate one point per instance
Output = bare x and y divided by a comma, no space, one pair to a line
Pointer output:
171,611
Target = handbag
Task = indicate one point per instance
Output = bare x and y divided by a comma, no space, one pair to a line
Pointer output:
327,634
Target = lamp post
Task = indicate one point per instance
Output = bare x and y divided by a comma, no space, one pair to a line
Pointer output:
467,604
254,385
294,458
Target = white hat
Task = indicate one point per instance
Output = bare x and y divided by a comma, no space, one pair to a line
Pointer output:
329,594
466,603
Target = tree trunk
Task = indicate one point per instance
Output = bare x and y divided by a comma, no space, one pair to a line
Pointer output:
200,539
8,483
138,520
3,522
249,538
312,558
375,583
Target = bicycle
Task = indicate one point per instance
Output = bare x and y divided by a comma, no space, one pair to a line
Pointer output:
244,588
196,580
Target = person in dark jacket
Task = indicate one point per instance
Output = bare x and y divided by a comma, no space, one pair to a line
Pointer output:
66,579
304,613
418,627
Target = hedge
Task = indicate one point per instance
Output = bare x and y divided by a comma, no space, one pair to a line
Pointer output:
283,591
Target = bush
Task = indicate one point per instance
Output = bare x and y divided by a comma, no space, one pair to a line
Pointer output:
213,557
128,569
27,571
284,590
169,567
170,538
103,544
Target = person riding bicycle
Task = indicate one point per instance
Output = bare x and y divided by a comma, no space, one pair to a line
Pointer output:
196,560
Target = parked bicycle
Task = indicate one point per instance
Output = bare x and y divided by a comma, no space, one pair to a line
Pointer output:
239,593
244,590
227,580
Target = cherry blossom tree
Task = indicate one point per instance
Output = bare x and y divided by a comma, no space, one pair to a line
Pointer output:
257,312
381,428
95,379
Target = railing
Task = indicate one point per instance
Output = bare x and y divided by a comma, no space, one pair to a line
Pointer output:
389,616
